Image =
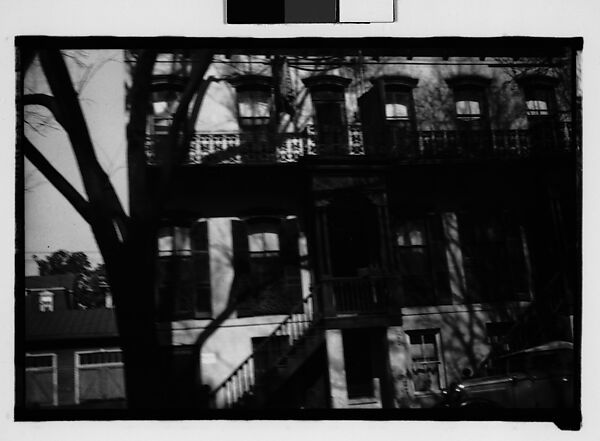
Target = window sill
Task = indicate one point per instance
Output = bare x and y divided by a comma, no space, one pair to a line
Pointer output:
418,310
364,400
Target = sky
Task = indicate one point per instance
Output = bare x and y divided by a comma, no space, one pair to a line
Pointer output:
51,223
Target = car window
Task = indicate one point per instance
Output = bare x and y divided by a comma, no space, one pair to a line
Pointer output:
517,363
555,361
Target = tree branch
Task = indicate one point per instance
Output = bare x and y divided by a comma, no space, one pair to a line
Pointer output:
58,181
139,199
46,101
101,193
201,60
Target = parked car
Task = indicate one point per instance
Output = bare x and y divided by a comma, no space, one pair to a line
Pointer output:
538,377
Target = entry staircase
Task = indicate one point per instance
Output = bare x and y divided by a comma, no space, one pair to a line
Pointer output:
249,387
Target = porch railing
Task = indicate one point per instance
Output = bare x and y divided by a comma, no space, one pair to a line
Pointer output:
359,295
247,376
267,147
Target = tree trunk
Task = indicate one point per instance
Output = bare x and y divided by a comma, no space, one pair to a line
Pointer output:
132,275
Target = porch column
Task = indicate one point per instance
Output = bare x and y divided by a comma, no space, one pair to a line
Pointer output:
338,390
324,258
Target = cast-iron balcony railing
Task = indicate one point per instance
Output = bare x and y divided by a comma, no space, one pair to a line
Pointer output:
259,147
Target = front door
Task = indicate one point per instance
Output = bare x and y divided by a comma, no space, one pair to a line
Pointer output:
354,257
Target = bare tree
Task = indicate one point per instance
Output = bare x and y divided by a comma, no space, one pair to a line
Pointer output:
127,242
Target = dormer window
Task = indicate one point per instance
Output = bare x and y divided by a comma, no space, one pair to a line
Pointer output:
46,301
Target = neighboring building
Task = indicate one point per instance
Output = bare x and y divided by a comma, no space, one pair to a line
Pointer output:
72,354
361,228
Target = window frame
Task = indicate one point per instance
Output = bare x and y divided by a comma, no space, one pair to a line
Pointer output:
510,237
331,135
77,366
429,247
48,295
400,86
464,86
53,368
253,84
440,362
534,85
174,259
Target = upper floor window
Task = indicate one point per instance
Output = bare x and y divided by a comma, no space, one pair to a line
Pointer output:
470,102
420,253
328,96
166,92
540,97
184,273
254,101
399,106
399,113
469,106
46,301
387,114
396,106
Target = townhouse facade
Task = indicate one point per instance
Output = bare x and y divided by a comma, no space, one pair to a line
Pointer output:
359,228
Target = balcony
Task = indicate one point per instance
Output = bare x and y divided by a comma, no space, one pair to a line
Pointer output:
351,296
416,146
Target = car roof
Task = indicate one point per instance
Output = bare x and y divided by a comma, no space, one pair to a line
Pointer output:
554,345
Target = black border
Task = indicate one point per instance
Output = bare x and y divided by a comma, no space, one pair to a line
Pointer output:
512,46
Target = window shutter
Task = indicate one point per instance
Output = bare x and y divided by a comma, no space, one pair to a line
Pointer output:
185,297
166,287
201,266
241,267
241,259
438,260
372,115
468,243
290,255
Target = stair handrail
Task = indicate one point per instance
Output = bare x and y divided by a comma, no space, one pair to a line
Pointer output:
297,309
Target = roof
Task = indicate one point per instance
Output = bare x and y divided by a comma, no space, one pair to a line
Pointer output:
71,324
64,323
53,281
553,345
